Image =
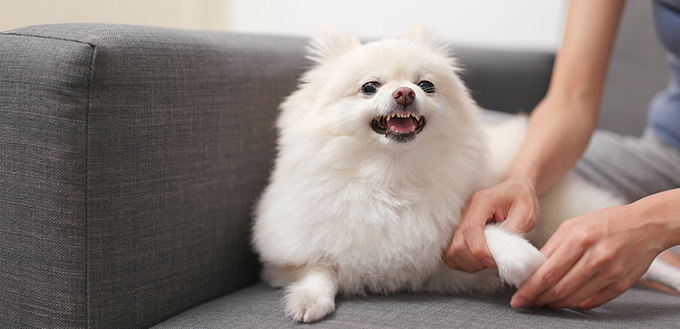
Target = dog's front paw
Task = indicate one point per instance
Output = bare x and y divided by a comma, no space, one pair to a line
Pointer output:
516,268
307,305
516,258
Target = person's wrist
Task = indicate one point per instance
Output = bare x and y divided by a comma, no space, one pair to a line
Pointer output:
527,176
576,95
664,227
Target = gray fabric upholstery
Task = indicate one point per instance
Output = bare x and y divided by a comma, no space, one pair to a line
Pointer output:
43,183
130,158
507,81
260,306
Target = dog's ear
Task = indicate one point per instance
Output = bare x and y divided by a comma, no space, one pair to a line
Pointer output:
424,37
328,45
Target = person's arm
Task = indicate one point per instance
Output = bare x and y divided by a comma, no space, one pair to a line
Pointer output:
596,257
558,132
561,126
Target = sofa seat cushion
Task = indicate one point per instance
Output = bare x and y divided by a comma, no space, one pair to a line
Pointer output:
260,306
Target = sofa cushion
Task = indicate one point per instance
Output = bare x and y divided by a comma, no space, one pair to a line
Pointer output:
260,306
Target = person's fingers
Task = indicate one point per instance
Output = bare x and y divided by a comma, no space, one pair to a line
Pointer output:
586,262
513,203
522,206
468,250
591,260
605,295
473,231
546,276
458,256
558,238
597,263
605,268
591,285
615,288
522,216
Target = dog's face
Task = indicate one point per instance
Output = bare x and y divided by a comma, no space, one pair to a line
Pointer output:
403,119
392,92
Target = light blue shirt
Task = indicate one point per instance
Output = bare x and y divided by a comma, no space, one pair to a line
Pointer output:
664,109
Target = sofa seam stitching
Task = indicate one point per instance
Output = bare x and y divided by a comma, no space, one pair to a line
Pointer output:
46,37
87,186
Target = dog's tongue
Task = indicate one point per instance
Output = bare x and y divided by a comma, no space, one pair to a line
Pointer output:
400,125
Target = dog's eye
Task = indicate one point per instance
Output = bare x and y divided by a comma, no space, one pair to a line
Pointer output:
370,88
426,86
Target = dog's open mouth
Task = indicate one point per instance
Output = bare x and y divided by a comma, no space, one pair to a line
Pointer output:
399,126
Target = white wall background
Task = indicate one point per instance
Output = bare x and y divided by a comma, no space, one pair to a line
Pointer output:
182,14
506,24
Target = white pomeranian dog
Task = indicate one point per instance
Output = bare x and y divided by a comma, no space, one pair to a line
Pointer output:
379,148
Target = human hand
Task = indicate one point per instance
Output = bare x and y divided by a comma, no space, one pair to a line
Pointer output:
591,260
513,202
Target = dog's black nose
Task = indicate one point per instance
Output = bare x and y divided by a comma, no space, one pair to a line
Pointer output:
404,96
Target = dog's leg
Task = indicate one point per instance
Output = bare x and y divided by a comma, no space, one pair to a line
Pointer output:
515,257
312,296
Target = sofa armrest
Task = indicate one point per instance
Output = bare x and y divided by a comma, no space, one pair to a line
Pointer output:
131,157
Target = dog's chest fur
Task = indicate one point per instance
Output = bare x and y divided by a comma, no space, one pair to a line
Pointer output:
387,239
381,222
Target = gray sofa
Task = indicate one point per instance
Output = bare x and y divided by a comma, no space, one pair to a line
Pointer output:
130,158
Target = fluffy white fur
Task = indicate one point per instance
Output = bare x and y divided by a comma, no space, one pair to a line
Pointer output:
350,211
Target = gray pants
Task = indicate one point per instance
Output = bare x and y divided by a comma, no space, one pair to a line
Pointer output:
634,167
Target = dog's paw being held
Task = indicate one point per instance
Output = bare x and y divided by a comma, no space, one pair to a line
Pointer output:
521,267
306,305
515,257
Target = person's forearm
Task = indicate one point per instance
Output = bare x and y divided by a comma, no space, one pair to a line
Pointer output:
555,140
560,127
661,213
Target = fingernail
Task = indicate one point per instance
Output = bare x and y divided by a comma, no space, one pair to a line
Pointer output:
517,303
488,262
